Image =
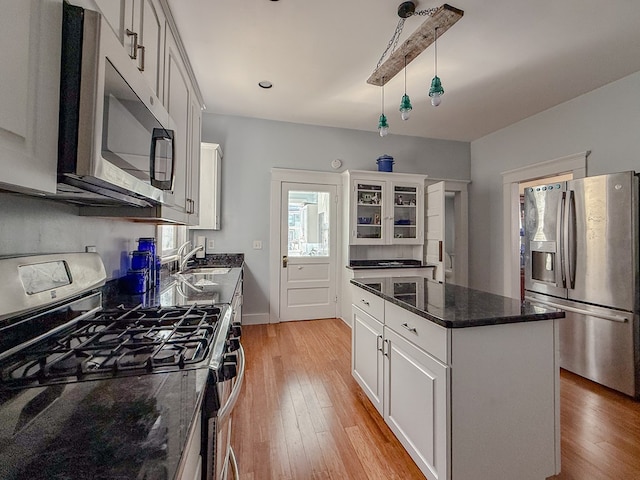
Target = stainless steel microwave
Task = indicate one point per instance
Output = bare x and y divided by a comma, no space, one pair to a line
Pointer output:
116,140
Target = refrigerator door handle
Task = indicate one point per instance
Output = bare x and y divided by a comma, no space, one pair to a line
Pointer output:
561,238
571,239
604,316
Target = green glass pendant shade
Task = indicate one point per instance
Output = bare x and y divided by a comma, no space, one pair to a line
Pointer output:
436,87
405,107
383,125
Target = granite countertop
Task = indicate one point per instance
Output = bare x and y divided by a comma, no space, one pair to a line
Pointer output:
453,306
396,263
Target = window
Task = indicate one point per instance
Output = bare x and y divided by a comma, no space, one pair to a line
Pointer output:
169,238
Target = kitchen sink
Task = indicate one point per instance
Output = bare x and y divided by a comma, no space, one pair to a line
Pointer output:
207,271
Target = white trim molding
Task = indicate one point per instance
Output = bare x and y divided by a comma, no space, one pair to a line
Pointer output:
278,176
575,164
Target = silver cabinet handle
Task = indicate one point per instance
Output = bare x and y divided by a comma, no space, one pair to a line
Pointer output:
141,65
385,353
134,46
411,329
378,345
364,301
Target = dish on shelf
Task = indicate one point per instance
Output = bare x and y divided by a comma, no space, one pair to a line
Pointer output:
365,220
402,222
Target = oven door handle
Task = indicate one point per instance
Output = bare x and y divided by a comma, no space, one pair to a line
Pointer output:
226,409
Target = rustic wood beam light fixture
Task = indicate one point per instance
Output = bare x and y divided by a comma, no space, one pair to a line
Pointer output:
442,18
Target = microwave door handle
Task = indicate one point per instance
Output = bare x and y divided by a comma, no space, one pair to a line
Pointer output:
561,236
161,134
571,239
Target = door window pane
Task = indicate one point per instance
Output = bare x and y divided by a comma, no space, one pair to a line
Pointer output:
308,224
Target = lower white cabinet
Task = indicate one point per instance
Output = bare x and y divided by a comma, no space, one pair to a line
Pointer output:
407,386
466,403
366,355
416,403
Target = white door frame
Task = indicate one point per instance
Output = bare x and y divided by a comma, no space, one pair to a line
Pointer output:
576,163
278,177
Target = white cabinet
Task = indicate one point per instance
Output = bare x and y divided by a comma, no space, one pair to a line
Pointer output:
139,26
416,403
29,94
466,403
367,364
386,211
210,186
180,104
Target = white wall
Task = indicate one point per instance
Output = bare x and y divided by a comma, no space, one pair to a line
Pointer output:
30,225
251,147
605,121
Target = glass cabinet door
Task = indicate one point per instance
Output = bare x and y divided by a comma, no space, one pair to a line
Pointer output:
405,213
369,212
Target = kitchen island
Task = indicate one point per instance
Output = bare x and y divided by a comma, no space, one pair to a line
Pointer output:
468,381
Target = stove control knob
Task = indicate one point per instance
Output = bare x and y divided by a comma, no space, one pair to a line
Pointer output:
236,330
233,344
229,367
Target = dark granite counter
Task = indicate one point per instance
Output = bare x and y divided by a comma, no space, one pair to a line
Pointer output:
386,264
453,306
180,289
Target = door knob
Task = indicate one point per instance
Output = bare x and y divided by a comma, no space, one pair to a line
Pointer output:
285,260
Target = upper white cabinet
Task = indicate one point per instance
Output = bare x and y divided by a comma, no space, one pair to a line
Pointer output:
386,209
210,182
139,26
29,94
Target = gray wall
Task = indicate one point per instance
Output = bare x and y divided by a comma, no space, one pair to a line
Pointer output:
605,121
252,147
30,225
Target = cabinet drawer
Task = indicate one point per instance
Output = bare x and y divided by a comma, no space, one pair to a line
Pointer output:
421,332
368,302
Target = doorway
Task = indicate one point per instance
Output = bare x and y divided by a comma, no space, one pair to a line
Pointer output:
576,165
305,248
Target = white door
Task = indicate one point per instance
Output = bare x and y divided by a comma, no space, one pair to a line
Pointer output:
308,251
435,229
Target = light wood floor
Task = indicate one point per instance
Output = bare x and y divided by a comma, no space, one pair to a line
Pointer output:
302,416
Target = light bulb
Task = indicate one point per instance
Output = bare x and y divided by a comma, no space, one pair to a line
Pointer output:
384,131
405,114
436,98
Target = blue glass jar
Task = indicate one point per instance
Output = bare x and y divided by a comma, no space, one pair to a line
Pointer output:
141,260
138,281
148,244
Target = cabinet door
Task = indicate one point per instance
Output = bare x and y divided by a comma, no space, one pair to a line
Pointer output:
118,15
193,164
29,94
416,403
407,221
366,355
149,24
368,214
177,103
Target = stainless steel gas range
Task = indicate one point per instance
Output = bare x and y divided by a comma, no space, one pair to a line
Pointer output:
87,392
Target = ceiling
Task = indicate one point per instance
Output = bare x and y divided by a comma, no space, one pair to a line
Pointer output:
505,60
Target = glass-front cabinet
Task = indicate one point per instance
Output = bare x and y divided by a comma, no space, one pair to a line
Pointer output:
386,212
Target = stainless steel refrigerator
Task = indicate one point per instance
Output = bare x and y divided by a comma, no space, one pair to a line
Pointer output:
581,255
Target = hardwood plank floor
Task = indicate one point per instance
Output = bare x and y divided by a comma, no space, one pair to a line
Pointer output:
301,415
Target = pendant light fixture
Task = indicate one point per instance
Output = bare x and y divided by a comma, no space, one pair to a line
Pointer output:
383,125
436,91
405,103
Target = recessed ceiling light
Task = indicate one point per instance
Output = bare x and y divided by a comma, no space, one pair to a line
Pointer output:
265,84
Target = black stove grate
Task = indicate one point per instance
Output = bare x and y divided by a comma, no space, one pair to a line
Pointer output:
118,342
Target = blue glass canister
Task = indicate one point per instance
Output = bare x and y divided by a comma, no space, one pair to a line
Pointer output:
137,281
148,244
141,260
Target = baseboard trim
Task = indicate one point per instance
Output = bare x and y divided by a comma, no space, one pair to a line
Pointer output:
255,318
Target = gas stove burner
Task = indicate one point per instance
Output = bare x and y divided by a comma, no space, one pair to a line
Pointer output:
119,342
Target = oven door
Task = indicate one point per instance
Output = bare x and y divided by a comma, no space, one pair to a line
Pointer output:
219,459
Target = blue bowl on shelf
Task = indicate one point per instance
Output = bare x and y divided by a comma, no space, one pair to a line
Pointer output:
403,222
364,220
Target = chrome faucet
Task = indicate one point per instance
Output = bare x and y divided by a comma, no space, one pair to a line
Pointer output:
185,258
